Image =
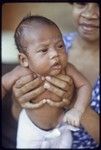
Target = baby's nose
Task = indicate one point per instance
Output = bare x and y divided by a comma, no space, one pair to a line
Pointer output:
53,54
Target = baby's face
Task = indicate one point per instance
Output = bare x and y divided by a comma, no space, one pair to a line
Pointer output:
46,50
86,20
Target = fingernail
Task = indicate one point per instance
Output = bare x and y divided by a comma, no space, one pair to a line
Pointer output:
44,100
47,100
46,85
48,78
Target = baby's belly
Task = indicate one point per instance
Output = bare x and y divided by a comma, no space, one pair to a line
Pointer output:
46,116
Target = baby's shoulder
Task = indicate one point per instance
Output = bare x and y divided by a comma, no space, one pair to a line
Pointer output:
70,67
71,70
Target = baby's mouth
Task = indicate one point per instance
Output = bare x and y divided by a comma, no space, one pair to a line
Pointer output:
56,66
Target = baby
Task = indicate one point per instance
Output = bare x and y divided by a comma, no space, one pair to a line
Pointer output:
41,49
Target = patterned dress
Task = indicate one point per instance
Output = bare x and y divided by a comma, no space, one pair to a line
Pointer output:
81,139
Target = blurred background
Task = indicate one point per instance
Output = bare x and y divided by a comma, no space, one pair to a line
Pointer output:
12,13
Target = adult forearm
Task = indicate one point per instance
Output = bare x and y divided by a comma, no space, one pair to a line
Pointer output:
3,92
4,86
90,121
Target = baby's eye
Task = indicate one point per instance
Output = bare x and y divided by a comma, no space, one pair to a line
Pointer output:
60,46
44,50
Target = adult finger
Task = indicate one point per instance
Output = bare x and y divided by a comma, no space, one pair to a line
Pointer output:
29,105
57,82
63,82
69,93
66,78
30,86
53,89
31,95
55,104
24,80
64,102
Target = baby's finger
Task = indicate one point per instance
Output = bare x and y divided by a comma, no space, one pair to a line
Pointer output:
76,123
69,121
64,118
67,118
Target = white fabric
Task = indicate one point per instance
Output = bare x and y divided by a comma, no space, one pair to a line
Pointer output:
30,136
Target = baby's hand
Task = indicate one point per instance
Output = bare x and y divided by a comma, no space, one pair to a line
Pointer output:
73,117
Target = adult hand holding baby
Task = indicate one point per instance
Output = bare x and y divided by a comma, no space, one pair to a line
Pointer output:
27,89
62,86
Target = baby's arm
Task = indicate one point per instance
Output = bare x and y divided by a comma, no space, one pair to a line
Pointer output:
84,89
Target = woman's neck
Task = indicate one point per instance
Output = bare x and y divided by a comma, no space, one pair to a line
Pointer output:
84,44
85,56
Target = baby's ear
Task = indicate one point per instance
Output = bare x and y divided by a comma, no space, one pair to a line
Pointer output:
23,59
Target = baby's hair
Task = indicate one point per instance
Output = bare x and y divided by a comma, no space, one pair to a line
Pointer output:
25,22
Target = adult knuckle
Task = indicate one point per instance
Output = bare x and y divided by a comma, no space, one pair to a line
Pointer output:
19,82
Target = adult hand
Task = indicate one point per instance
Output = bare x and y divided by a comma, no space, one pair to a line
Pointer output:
62,86
27,88
10,78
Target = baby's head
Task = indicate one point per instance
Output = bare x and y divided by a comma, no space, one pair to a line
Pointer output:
40,45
